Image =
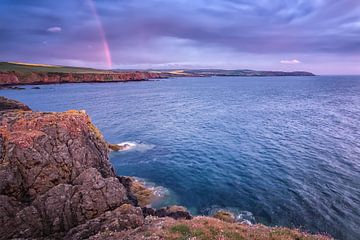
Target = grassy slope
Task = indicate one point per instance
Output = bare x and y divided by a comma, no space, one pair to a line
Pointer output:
27,68
202,228
207,228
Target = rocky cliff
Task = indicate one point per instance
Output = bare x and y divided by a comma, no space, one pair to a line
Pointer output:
18,78
57,183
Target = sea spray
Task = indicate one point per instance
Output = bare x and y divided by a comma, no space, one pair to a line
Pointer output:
135,146
241,216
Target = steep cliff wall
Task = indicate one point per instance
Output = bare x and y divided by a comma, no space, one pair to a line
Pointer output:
9,78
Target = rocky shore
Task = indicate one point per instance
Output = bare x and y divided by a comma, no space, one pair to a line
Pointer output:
12,74
57,183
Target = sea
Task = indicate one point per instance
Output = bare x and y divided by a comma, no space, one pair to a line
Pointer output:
280,151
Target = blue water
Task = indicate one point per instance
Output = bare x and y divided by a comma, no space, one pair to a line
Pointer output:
285,149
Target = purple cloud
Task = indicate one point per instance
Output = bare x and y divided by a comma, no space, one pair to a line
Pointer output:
266,34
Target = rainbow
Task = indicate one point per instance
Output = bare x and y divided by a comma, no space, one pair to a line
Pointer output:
102,34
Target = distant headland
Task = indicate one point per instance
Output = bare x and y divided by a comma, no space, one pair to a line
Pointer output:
15,73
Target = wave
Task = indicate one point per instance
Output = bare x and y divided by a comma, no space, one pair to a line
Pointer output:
163,196
135,146
159,191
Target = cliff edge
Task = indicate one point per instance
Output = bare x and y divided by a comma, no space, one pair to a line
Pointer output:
57,183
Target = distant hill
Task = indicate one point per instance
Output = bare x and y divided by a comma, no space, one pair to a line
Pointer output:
15,73
242,73
30,67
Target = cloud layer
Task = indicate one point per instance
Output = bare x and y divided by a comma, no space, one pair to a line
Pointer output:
323,34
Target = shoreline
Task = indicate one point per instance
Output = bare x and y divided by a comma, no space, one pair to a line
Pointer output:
45,78
58,183
17,74
13,86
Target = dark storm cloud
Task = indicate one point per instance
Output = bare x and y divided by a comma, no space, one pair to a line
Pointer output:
259,34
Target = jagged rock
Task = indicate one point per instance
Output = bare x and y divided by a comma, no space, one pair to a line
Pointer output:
143,195
225,216
7,104
42,150
54,171
175,212
127,183
123,218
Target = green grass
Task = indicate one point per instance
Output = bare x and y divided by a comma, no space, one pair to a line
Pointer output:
181,228
24,68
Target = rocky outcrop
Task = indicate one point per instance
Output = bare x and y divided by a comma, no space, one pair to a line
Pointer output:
56,178
19,78
225,216
55,173
175,212
7,104
57,183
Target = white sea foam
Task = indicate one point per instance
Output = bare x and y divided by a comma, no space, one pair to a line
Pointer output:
135,146
161,193
244,217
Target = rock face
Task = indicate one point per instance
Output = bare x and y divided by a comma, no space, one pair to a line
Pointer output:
175,212
55,174
14,78
7,104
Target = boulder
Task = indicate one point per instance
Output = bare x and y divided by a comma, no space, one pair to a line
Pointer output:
7,104
225,216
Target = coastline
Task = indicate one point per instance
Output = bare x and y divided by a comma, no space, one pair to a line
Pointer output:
58,183
16,74
17,79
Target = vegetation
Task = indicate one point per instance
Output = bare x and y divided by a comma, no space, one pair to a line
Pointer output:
29,68
204,228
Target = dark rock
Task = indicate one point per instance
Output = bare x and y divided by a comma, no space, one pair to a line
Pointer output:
7,104
176,212
138,192
127,182
123,218
147,211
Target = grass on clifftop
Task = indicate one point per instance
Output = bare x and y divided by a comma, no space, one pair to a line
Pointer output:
203,228
28,68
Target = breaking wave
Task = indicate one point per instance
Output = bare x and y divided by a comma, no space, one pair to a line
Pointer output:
135,146
244,217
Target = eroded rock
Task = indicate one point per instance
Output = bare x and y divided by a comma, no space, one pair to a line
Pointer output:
8,104
55,173
175,212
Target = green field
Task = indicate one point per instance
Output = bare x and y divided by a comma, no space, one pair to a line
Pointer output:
27,68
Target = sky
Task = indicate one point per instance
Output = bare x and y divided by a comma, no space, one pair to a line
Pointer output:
321,36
